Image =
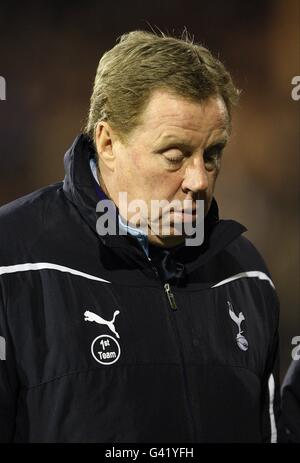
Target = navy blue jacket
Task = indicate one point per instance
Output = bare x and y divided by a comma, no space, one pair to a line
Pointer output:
100,344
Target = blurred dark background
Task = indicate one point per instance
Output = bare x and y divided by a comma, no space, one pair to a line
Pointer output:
49,53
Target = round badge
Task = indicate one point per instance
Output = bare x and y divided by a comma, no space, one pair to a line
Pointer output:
106,349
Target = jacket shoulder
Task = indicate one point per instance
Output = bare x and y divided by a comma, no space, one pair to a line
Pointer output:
23,219
248,256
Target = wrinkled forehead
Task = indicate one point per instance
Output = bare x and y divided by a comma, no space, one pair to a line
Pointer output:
168,112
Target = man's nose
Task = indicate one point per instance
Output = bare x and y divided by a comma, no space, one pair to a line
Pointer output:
195,178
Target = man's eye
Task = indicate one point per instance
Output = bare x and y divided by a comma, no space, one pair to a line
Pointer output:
174,155
212,156
174,160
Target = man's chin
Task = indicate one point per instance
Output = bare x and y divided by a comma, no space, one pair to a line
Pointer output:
166,241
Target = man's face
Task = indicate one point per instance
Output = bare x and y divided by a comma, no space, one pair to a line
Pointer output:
174,154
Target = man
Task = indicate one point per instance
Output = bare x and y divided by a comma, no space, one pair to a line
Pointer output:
134,336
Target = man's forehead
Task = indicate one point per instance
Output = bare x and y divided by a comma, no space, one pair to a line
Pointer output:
167,113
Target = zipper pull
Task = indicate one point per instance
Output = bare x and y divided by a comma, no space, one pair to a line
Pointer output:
170,296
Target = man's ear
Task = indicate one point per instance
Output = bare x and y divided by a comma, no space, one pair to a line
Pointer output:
104,144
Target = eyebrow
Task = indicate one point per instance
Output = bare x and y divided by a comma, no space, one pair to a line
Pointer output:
218,143
170,140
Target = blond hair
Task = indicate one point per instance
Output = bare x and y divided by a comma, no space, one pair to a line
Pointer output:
144,61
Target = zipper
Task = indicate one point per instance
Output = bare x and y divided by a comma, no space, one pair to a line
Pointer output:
170,296
167,288
174,307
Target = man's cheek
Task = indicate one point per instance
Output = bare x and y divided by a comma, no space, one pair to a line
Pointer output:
138,160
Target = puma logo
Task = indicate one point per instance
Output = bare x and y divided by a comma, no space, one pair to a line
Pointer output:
240,339
93,317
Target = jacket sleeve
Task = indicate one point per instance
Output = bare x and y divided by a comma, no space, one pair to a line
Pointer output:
290,392
271,382
8,378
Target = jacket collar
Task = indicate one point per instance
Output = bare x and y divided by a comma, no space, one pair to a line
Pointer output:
83,191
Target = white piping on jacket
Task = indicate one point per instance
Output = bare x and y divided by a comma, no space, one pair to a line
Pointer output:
250,274
47,266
